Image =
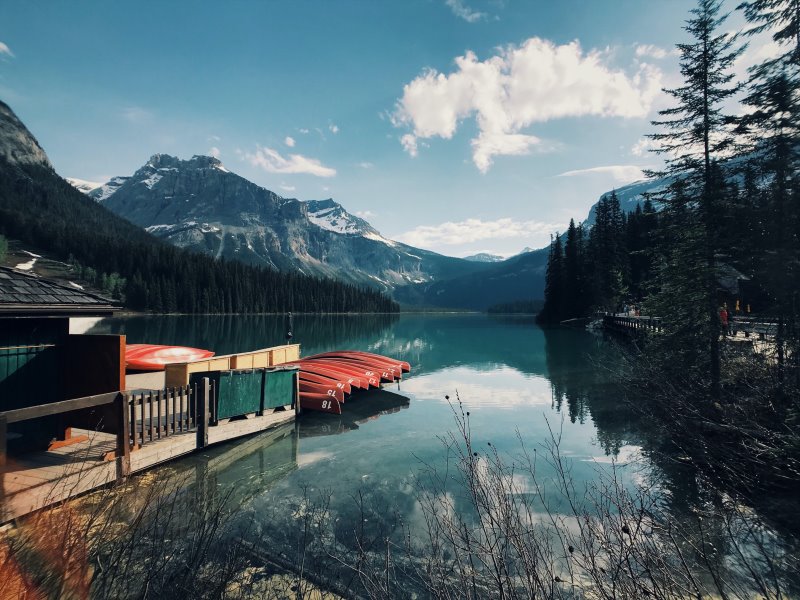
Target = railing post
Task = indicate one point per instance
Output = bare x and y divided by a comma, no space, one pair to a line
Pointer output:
203,405
3,438
123,438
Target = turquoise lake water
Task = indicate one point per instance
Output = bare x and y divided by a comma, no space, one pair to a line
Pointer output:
520,384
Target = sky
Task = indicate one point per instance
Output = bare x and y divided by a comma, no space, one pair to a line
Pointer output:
459,126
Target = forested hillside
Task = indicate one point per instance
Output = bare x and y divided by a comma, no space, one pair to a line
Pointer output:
38,207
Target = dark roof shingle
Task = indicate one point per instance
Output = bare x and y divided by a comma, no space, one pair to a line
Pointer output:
25,293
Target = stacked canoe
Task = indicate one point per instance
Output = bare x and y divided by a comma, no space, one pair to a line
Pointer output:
328,380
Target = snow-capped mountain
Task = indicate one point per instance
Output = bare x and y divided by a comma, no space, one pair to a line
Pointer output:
200,204
632,195
332,216
485,257
82,185
102,192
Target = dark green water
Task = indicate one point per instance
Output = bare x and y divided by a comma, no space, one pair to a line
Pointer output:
518,382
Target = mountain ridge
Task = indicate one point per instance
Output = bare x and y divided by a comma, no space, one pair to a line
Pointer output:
201,205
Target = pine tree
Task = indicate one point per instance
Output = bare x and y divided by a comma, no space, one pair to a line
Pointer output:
695,135
573,281
772,127
554,292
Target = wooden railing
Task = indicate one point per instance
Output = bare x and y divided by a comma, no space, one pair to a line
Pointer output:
757,327
632,325
157,414
749,326
139,417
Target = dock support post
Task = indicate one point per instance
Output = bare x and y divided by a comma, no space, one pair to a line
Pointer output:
3,438
296,393
3,449
123,435
203,405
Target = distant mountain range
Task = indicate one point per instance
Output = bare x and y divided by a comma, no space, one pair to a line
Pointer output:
201,205
485,257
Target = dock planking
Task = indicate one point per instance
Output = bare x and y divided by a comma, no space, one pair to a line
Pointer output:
152,426
37,480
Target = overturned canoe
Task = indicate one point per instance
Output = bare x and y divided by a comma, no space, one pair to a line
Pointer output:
366,356
327,379
154,357
320,402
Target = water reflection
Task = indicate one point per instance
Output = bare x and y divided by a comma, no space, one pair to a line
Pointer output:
514,377
359,410
227,334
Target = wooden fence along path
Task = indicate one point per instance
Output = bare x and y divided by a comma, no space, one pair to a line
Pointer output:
150,427
745,327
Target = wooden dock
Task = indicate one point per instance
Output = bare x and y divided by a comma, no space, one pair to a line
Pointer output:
138,430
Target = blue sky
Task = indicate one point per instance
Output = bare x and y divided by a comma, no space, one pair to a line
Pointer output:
455,125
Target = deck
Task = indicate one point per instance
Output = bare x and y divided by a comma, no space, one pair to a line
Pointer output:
140,427
36,480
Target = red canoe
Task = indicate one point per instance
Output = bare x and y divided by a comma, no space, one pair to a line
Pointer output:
314,378
323,371
153,357
347,369
318,388
366,357
321,402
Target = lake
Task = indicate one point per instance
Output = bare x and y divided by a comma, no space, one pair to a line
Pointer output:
522,386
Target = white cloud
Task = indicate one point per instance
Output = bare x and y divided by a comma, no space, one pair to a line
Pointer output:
365,214
214,151
303,130
409,142
463,11
4,49
137,114
286,187
643,147
651,51
271,161
620,173
471,230
333,128
365,165
289,141
214,138
521,85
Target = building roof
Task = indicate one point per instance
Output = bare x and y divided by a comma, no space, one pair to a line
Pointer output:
26,294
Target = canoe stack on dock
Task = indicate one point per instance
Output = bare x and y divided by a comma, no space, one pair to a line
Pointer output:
327,380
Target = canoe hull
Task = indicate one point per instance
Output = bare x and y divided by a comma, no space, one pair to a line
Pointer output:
155,357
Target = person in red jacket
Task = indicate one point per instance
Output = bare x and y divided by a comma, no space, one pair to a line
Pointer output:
723,318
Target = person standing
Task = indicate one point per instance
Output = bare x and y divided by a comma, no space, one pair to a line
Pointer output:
723,318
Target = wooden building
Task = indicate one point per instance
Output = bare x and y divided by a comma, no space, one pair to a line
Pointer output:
40,362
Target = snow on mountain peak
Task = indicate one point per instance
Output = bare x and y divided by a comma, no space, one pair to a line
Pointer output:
82,185
104,191
330,215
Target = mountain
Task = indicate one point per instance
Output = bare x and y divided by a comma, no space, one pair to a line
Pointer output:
87,187
330,215
200,205
17,145
103,191
520,277
485,257
46,214
632,195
